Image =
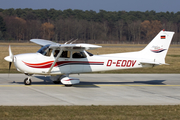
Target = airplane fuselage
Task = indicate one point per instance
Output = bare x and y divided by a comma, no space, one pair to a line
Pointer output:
36,63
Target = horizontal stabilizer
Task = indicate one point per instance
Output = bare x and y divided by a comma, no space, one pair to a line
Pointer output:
154,63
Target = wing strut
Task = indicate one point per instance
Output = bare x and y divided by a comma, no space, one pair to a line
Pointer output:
55,61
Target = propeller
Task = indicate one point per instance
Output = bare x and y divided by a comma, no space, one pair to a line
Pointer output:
9,58
10,66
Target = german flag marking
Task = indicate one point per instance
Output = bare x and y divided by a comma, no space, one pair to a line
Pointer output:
163,37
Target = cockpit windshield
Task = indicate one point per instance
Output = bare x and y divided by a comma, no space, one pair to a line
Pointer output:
44,49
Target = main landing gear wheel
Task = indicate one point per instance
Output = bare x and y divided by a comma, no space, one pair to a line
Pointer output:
27,81
68,85
56,82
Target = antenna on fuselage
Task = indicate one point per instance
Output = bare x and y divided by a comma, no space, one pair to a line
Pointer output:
71,41
74,41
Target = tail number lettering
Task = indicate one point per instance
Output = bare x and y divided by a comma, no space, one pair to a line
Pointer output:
122,63
109,63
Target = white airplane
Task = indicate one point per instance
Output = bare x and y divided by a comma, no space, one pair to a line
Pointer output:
61,60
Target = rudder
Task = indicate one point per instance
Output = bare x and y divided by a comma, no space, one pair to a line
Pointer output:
157,49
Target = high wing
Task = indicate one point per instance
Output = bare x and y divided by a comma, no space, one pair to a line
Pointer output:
42,42
65,46
54,45
75,46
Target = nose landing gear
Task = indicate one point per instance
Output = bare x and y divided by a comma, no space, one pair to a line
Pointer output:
27,81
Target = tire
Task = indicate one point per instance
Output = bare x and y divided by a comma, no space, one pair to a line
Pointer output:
27,82
56,82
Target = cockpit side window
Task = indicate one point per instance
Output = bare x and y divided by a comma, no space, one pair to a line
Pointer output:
65,54
48,52
56,52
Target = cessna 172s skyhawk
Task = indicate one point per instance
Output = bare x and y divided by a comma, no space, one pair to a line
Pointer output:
61,60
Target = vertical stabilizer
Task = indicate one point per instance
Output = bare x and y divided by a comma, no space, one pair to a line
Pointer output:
157,49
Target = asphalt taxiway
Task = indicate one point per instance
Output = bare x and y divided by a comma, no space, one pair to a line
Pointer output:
94,89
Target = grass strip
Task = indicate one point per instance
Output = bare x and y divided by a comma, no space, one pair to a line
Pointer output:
90,112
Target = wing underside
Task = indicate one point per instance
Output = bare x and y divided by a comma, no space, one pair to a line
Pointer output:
42,42
64,46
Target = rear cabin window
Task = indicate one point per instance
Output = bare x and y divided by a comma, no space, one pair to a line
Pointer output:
78,55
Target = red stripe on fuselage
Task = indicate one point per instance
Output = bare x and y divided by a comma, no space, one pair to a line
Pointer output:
60,63
44,63
70,79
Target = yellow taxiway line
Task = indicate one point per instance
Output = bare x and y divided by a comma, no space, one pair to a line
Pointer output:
95,85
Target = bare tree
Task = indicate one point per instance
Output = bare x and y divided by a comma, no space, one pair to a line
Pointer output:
150,28
119,29
47,30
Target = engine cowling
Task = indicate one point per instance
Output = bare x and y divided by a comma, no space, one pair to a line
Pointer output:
70,81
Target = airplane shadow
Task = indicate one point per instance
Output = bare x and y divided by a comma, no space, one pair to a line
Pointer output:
48,81
150,82
45,81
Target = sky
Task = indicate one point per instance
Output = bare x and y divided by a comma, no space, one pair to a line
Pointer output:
95,5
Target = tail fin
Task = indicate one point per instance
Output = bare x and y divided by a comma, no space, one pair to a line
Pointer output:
155,52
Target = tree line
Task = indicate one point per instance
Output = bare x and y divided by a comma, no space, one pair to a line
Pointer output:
87,26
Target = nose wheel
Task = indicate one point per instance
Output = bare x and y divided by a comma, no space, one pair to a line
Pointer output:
27,81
